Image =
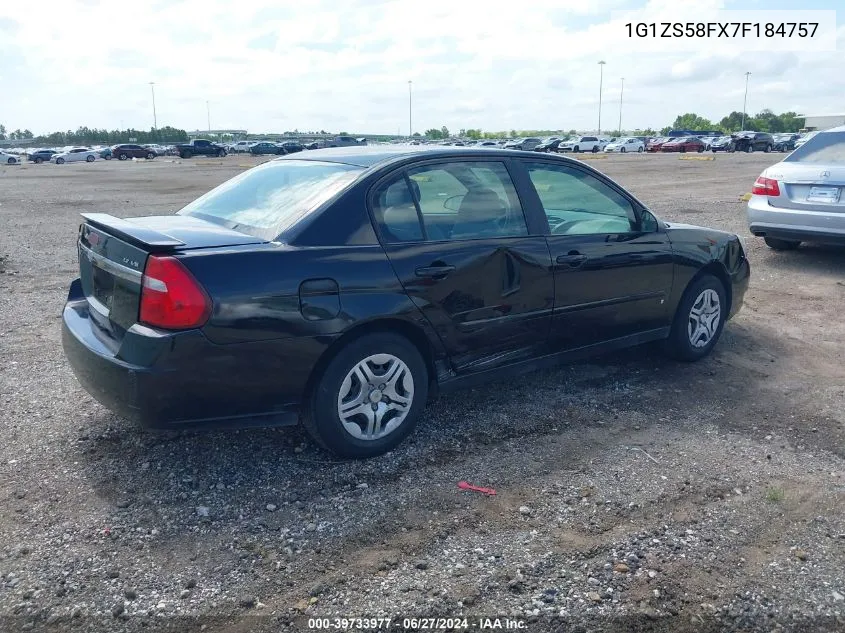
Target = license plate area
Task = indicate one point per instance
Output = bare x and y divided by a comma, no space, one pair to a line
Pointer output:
824,195
103,286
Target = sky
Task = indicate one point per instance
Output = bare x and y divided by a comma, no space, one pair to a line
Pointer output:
344,65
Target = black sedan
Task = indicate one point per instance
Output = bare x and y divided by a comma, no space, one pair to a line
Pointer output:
548,146
291,147
266,147
785,142
751,141
341,287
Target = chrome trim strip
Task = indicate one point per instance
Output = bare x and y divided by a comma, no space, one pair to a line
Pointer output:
118,270
98,307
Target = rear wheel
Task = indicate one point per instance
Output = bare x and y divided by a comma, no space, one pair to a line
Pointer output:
622,150
89,159
683,150
749,149
699,320
781,245
150,155
700,148
221,153
38,160
768,149
639,150
122,156
576,149
369,397
11,161
185,154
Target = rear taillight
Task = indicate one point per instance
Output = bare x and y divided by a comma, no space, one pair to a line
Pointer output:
170,296
765,187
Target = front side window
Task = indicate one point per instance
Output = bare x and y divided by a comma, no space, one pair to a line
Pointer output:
450,201
578,203
267,200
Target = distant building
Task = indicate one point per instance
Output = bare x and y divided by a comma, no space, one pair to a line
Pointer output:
822,121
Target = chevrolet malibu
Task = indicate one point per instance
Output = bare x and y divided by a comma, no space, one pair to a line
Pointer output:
342,288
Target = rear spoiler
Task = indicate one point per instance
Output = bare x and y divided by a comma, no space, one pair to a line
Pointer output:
130,232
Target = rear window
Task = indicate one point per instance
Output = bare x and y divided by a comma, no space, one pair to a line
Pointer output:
269,199
824,148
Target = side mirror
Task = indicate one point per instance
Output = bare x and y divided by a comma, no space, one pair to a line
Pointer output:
648,223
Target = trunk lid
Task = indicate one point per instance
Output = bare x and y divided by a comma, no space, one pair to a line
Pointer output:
113,254
809,187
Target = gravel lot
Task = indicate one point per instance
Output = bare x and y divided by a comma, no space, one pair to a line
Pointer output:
634,493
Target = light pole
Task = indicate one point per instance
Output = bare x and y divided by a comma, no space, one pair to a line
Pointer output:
745,100
208,115
621,92
410,111
153,90
601,80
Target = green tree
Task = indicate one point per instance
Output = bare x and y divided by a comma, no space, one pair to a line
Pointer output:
732,122
2,132
434,134
691,121
444,131
474,134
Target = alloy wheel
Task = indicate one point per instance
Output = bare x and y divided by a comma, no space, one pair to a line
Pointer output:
704,318
375,397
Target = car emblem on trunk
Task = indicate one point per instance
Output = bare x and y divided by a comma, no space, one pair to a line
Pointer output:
824,174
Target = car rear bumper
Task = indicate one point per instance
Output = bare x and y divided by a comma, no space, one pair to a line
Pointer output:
764,220
179,380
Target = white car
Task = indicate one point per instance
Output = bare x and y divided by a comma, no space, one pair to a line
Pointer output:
74,155
624,145
241,147
805,138
9,159
582,144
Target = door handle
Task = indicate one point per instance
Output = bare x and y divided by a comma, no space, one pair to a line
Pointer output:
434,272
573,260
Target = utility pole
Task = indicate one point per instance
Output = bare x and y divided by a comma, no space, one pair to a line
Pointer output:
410,111
601,80
745,100
621,92
153,90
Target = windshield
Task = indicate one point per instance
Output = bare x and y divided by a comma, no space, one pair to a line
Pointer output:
267,200
827,148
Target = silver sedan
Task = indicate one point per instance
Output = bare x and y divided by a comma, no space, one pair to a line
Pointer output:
802,198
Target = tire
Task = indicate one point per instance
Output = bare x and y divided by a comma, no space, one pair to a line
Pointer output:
749,149
89,159
221,153
122,156
640,150
768,149
11,161
60,161
107,157
595,149
38,160
576,149
692,336
150,155
621,150
185,154
322,417
683,149
700,149
781,245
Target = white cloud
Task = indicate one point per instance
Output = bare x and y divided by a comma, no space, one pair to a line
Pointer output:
271,65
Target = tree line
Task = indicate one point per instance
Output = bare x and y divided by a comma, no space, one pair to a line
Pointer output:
96,136
764,121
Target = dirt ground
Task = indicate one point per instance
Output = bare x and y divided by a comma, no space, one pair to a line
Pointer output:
634,493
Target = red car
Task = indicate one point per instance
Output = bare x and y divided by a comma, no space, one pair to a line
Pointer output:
656,144
683,144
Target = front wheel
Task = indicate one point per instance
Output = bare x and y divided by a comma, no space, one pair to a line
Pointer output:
749,149
700,149
39,160
60,161
122,156
369,396
768,149
11,161
683,150
576,149
699,320
595,149
781,245
640,150
221,153
185,154
622,150
150,155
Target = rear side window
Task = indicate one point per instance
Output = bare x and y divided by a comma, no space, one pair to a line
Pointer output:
823,148
450,201
267,200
